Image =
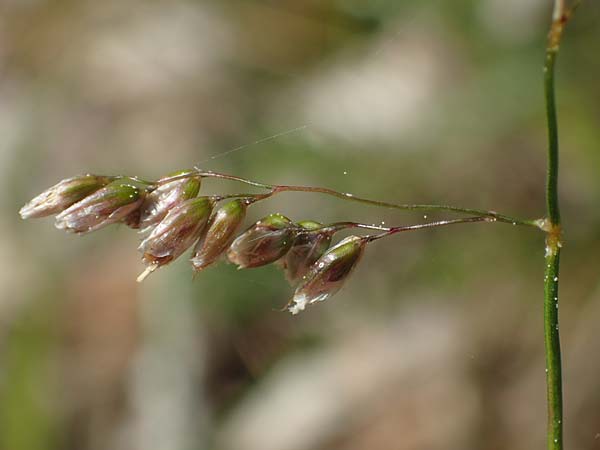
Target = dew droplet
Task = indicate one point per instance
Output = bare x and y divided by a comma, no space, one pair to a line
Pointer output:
345,173
555,278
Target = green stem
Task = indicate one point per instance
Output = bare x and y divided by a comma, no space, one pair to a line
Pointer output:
552,226
552,206
553,354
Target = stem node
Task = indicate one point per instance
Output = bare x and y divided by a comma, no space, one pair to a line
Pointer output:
553,239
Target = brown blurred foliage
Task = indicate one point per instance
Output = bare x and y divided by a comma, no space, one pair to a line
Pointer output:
435,343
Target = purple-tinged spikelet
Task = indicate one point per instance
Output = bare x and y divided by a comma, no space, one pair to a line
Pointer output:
182,226
62,195
167,195
307,248
222,227
328,273
103,207
264,242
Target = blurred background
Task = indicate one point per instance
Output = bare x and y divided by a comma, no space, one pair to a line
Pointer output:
434,343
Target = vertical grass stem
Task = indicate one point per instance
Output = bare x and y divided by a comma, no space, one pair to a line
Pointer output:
552,226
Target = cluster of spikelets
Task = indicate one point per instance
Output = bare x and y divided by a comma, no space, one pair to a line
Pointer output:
172,217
